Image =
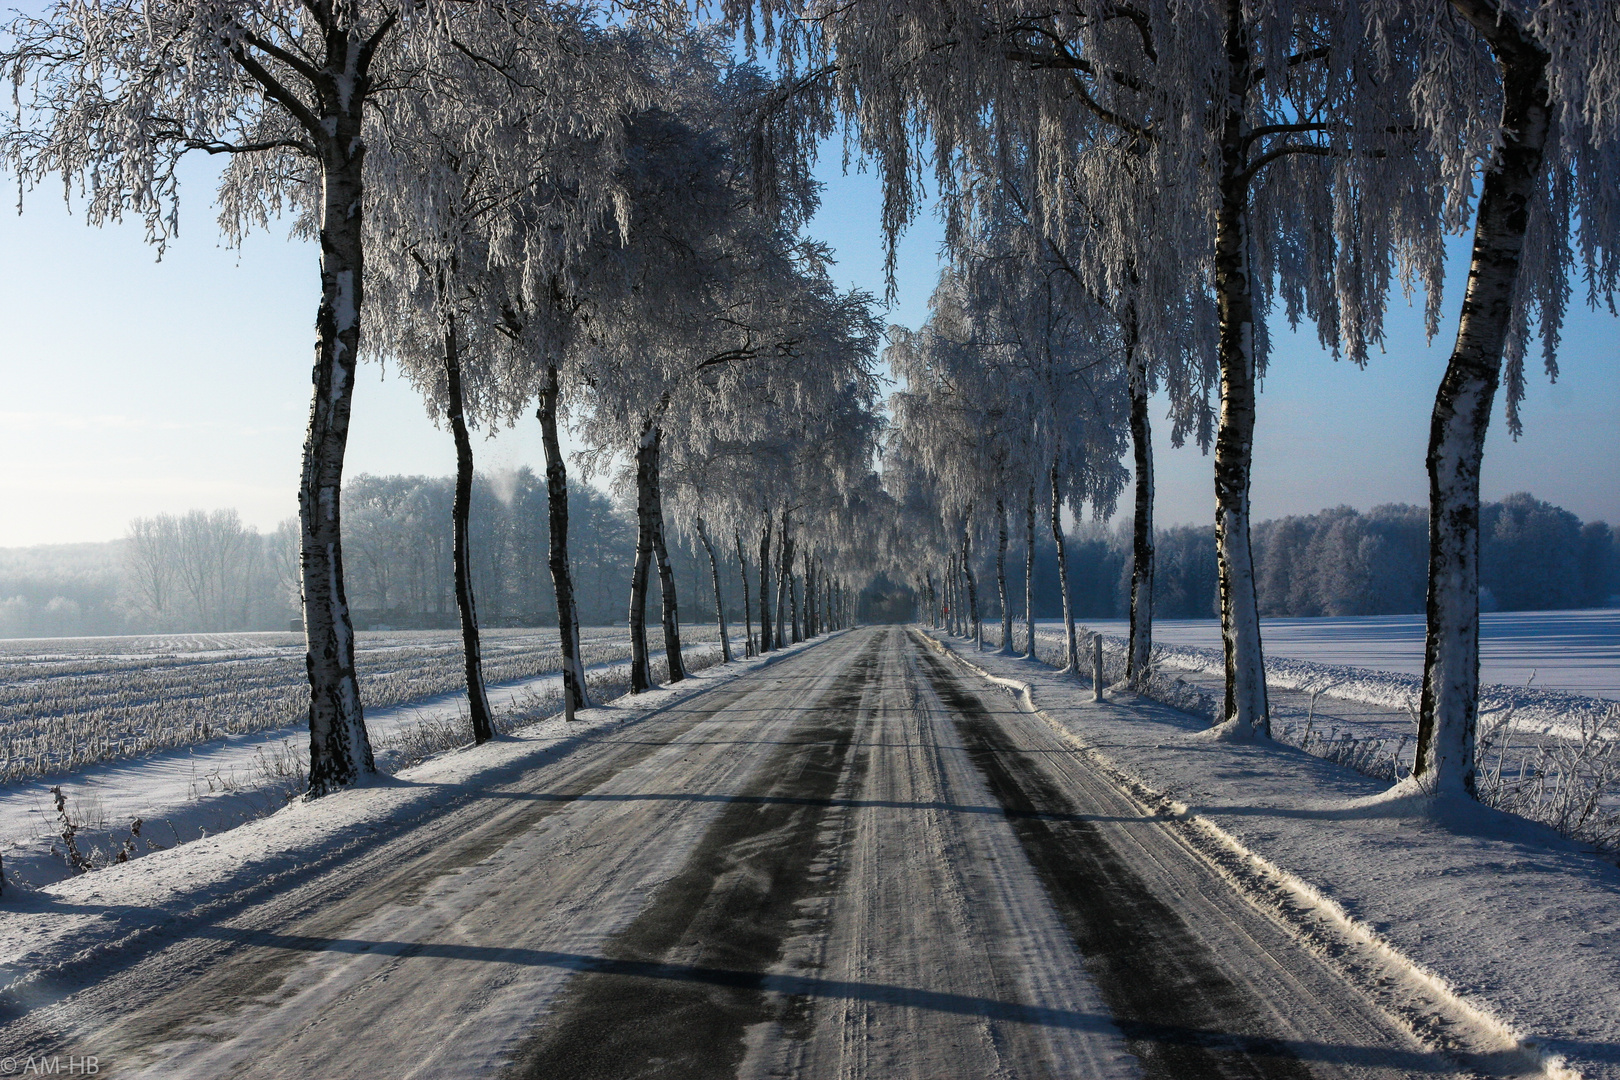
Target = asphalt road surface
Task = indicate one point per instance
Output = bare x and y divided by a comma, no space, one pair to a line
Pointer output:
858,862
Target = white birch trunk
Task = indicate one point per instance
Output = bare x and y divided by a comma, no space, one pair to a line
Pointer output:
1071,661
1029,575
1462,408
765,642
483,724
719,603
1138,658
339,747
1001,579
575,695
666,573
749,649
1246,713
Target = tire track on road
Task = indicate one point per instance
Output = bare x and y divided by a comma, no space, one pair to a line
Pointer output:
1200,984
677,990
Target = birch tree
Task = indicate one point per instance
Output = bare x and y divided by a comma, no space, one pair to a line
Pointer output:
484,179
724,295
1523,97
1014,373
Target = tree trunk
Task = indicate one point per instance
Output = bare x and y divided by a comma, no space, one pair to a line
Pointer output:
1001,578
1138,657
784,556
1246,709
575,695
1029,575
719,604
640,666
765,643
1072,655
1462,408
958,622
483,725
972,584
748,618
666,574
339,748
810,630
792,581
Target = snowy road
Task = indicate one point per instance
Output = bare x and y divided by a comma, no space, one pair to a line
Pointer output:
854,863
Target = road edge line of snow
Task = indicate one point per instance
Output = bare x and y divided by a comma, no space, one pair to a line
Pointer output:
1253,876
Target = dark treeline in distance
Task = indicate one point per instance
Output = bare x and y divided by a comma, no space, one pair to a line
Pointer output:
1535,557
208,572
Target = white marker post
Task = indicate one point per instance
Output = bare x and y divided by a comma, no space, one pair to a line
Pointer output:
1096,668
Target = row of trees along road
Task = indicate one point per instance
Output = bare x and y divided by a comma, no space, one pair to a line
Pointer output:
520,205
1187,168
587,211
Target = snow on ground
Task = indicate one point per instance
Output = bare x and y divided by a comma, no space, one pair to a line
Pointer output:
72,920
197,791
1346,659
1574,651
1521,926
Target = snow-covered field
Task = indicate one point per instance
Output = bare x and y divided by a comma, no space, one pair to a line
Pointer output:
70,702
195,734
1550,755
1574,651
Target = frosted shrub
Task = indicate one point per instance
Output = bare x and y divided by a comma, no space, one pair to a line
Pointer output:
1571,784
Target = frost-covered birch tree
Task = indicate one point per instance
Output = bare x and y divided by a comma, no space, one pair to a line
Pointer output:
113,95
1012,387
483,180
1520,103
726,306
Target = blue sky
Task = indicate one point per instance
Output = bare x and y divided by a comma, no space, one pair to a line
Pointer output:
134,386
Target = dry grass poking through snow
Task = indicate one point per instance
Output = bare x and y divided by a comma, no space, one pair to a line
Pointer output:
69,703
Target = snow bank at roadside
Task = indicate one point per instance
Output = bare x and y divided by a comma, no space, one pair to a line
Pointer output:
54,934
1518,925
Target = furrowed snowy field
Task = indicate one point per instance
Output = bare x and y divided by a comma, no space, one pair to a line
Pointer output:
70,702
195,733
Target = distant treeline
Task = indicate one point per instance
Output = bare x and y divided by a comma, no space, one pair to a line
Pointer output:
203,572
208,572
1535,556
396,536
